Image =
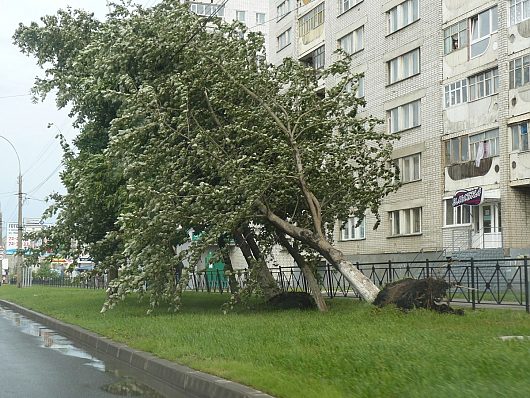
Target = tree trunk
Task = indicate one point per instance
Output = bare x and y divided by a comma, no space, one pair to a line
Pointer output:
361,283
266,280
308,273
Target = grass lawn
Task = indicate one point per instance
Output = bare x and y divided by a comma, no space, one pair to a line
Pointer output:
354,350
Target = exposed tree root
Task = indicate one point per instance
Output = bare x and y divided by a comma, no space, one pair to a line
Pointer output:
408,294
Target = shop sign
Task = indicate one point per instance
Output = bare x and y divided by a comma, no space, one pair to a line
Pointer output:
470,197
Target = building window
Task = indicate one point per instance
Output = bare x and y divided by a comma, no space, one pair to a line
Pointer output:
456,215
519,11
353,229
456,93
457,150
484,145
405,222
482,26
345,5
520,136
403,14
353,41
404,117
484,84
455,37
409,168
404,66
283,9
359,93
316,59
240,16
284,39
207,9
260,18
520,71
312,20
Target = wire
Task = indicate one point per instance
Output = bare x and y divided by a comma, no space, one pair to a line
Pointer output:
15,96
46,179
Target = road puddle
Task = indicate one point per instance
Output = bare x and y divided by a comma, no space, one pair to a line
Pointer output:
48,338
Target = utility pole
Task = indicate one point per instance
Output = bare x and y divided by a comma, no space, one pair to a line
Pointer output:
18,259
19,230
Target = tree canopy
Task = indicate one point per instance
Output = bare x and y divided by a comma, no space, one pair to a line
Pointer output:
184,125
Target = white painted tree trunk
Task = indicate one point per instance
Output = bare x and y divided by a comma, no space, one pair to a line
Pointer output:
361,283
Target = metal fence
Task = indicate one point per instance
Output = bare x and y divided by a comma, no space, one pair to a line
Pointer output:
499,282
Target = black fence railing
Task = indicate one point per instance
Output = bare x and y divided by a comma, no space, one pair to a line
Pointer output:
476,282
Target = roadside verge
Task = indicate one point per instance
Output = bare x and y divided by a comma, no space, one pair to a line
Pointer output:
191,383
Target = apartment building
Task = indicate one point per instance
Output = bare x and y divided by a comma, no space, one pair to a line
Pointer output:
253,13
452,79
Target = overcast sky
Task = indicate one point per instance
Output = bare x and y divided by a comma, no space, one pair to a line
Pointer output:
23,123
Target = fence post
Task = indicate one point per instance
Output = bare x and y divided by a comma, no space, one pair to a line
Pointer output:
219,282
389,278
281,277
473,305
330,286
427,269
206,280
526,289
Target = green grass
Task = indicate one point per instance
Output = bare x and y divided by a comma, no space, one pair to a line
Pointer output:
354,350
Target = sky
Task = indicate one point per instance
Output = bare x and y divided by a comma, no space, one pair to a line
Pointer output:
24,123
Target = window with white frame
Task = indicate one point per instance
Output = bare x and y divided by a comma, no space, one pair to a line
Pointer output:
405,222
207,9
240,16
456,93
359,83
283,8
260,18
483,84
455,37
345,5
353,41
519,11
403,14
520,136
484,145
404,117
404,66
457,150
284,39
459,215
316,59
520,71
482,26
409,168
312,20
353,229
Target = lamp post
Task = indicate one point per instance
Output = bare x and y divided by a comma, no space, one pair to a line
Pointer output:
18,261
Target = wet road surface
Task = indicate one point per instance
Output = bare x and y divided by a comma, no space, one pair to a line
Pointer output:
36,362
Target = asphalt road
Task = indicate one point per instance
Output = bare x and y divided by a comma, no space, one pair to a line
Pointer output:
35,367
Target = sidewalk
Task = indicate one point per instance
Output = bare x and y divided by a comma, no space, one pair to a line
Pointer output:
188,382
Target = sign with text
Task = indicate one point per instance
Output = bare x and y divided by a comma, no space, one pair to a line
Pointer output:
470,197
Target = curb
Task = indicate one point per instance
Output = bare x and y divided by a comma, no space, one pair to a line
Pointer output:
193,383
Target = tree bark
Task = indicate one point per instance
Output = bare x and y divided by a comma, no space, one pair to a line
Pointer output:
266,280
308,273
361,283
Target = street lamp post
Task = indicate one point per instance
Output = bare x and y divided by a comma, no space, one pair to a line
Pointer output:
18,261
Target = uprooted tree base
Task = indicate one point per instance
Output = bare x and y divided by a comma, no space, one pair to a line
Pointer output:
292,300
408,294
